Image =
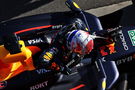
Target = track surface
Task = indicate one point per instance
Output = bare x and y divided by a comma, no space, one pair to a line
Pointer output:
20,8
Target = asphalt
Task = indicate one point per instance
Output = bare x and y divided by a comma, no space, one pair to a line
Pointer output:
122,13
20,8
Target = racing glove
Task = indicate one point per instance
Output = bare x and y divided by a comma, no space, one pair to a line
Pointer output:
52,63
46,57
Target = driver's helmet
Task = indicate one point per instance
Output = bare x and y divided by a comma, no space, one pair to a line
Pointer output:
80,42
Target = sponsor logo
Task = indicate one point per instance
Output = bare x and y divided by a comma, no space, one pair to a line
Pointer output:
56,27
3,84
74,56
35,41
123,40
39,86
107,49
70,63
131,34
42,71
124,60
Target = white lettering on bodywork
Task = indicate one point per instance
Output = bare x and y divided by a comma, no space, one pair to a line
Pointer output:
42,71
123,40
34,41
39,86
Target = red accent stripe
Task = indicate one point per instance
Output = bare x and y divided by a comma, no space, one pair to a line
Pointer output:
29,29
77,87
34,49
2,86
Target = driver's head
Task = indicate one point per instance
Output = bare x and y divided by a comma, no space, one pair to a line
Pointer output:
80,42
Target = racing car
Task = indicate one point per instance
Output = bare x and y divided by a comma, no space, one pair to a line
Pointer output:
100,70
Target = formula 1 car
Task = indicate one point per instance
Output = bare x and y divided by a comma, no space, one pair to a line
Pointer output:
100,70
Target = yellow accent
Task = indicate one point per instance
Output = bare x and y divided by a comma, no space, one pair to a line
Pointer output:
86,29
104,84
46,57
6,57
21,43
18,62
14,67
49,54
111,44
25,50
76,5
111,48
